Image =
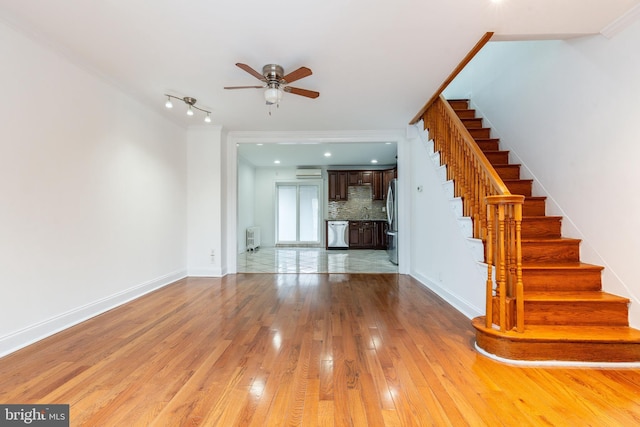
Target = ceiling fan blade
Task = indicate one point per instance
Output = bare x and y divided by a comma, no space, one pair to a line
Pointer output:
297,75
251,71
243,87
302,92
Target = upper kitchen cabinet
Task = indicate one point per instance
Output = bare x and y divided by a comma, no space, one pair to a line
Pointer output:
388,176
360,177
340,180
338,183
379,190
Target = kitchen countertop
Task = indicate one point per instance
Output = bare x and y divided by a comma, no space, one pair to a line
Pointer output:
356,219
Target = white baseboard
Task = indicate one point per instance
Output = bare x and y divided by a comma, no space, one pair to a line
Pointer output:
463,306
24,337
206,272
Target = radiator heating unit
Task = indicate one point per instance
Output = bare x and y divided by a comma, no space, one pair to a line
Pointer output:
253,238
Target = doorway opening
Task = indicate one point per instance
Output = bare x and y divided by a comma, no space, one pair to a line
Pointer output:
298,214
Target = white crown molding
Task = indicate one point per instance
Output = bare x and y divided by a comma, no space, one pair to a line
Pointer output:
622,22
303,137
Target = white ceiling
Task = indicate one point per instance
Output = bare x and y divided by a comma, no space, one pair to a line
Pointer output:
341,154
374,62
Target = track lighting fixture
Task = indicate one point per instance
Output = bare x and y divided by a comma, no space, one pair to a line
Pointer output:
191,104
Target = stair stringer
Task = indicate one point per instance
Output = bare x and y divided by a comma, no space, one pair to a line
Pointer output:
465,223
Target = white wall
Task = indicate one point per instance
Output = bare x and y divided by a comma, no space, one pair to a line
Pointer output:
568,110
246,201
441,257
204,200
93,188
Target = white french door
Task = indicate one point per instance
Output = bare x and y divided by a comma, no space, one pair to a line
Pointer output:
297,213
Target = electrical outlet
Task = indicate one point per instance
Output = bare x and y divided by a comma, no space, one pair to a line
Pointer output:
213,257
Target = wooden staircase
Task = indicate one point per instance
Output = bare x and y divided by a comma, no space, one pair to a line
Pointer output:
567,315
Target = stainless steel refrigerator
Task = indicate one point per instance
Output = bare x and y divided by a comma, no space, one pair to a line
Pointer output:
392,219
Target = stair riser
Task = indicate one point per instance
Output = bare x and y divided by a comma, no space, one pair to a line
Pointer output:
554,251
561,280
510,348
466,114
480,133
541,227
534,207
508,171
488,144
474,123
459,104
592,313
497,157
519,187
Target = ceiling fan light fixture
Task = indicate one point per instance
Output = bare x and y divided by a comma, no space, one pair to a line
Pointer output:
273,95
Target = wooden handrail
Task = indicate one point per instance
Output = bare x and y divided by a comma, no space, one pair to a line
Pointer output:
496,213
496,181
484,40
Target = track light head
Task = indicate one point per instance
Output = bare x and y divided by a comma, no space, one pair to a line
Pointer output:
191,103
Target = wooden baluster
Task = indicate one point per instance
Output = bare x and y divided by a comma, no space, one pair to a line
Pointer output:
501,272
489,260
519,285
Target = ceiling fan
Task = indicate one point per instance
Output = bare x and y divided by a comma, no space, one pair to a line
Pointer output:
276,81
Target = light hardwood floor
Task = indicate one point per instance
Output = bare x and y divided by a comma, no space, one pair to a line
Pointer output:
301,349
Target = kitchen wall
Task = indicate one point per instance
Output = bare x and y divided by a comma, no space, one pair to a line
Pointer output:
358,206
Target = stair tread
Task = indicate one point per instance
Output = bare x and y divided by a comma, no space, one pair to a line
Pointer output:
574,296
561,266
549,239
537,217
567,333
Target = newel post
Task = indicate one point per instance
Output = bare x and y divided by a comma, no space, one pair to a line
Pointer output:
504,254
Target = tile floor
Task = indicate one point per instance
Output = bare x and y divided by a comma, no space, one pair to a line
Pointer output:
315,260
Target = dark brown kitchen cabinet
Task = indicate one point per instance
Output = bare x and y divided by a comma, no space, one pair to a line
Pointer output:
338,183
361,234
360,177
379,190
367,235
381,228
388,176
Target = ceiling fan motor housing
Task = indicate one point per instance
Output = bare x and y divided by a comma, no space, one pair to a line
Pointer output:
273,72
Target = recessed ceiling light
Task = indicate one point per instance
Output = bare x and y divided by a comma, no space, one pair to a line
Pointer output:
327,154
374,161
277,162
259,144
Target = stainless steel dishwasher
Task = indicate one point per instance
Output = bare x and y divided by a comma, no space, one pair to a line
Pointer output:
337,234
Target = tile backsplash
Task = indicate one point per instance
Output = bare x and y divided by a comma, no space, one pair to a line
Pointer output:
359,205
